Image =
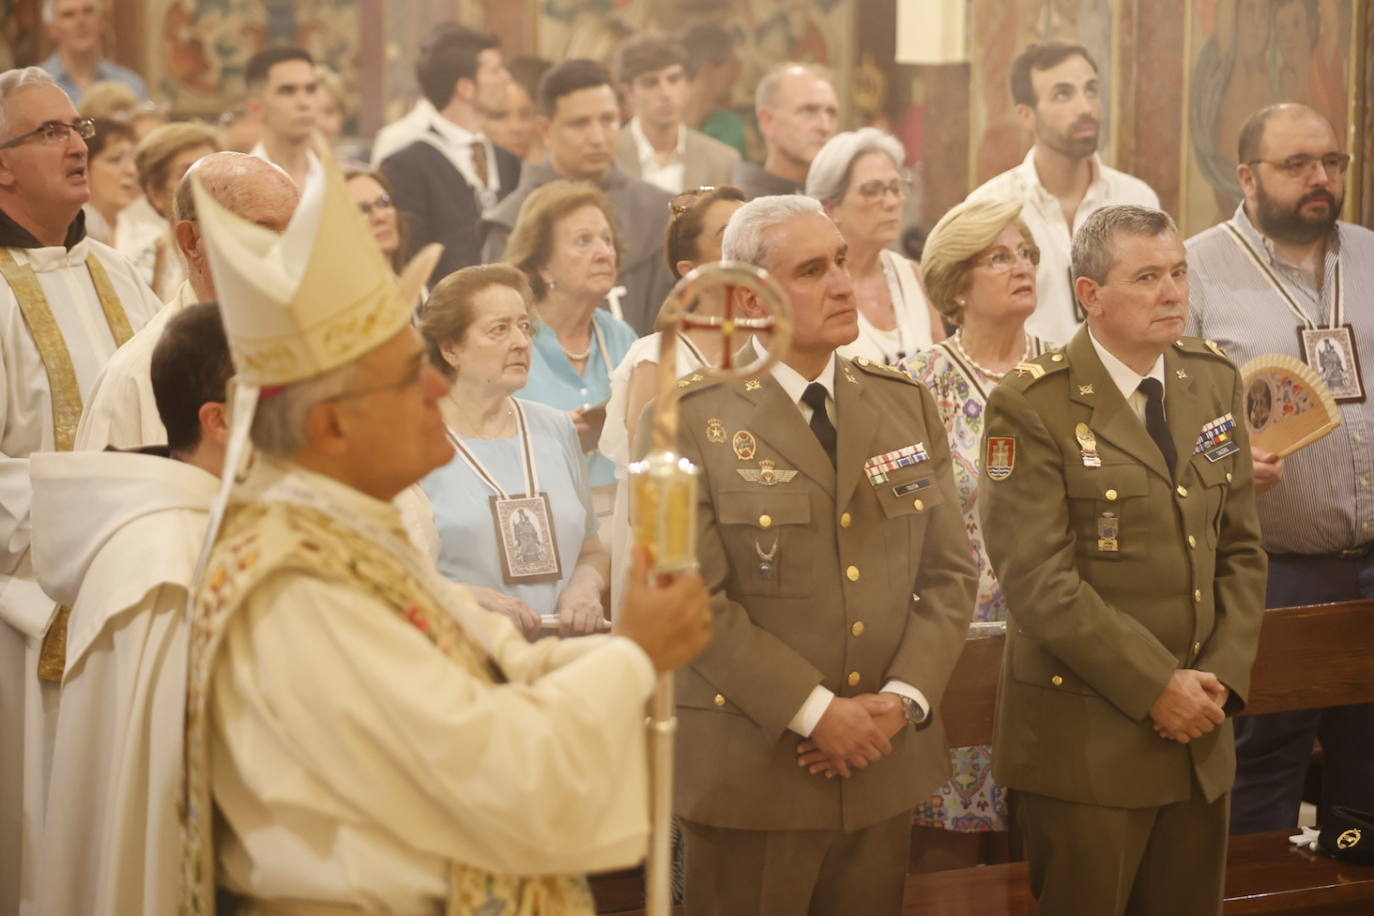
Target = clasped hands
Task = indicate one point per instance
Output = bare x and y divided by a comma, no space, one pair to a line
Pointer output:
1191,706
852,733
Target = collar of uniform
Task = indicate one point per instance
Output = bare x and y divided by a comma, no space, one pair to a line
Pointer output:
794,384
648,156
1126,378
1030,176
454,134
13,235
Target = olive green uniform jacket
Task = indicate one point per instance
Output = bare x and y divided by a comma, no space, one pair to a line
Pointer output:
869,582
1095,629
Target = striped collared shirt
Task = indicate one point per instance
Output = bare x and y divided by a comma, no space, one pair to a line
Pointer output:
1325,503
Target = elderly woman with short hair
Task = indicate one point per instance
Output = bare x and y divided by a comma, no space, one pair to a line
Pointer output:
858,177
513,507
565,242
979,272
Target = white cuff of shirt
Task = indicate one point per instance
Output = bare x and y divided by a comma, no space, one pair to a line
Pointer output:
811,711
902,688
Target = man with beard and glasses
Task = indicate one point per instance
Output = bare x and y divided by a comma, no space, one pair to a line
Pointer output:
1062,181
1282,264
452,172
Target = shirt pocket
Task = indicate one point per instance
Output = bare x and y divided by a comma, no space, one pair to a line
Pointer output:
769,541
1108,511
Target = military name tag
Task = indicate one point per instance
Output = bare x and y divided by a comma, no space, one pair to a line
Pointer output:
1224,450
911,487
1108,529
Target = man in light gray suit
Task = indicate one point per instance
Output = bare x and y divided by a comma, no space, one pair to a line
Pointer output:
656,144
579,120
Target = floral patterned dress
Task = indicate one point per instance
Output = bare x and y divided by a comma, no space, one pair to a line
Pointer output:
970,802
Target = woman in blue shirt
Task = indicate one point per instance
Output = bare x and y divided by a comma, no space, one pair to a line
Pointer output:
513,507
566,244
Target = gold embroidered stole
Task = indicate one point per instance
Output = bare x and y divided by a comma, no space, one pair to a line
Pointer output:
267,537
64,391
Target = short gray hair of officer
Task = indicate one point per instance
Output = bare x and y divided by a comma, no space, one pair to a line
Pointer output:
743,239
1094,244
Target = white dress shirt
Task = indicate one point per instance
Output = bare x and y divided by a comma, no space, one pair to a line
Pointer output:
669,177
456,142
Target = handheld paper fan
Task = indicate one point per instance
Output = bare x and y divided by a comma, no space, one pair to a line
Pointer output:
1287,405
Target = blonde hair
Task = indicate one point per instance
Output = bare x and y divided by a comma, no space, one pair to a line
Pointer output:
960,236
531,242
333,84
163,144
110,100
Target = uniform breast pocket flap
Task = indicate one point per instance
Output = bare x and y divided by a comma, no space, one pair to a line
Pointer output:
910,491
763,510
1109,483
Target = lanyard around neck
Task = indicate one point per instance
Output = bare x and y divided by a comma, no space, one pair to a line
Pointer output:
1338,297
526,450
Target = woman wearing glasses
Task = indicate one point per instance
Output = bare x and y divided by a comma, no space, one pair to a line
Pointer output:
693,238
979,272
373,196
857,176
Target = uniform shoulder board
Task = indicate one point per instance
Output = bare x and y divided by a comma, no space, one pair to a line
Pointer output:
881,370
1202,347
697,381
1025,374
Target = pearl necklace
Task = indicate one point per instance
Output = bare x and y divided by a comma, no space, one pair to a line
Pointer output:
998,376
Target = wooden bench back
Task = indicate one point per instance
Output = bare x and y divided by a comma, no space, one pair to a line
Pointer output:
1309,657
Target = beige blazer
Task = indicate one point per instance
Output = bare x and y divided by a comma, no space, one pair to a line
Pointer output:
708,162
866,582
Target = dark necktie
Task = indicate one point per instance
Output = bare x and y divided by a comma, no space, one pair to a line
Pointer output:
814,397
479,162
1155,423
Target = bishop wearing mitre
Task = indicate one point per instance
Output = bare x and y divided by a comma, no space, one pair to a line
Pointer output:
361,735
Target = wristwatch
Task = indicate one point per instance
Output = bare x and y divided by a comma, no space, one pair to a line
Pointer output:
915,716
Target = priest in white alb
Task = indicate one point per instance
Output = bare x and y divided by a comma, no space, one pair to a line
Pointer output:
116,538
121,409
66,303
361,735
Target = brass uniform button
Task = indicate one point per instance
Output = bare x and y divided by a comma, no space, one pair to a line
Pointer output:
1111,495
852,573
765,521
853,679
1197,647
846,520
1228,476
720,700
1197,594
1181,490
1057,358
1057,681
920,505
858,628
1192,541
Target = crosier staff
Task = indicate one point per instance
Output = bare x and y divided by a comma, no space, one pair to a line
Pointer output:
663,492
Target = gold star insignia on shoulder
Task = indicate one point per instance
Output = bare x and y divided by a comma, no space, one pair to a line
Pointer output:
683,383
752,384
697,377
1086,389
1215,347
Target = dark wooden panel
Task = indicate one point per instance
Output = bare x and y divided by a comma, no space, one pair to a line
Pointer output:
971,697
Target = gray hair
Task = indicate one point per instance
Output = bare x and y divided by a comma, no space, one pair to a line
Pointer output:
766,93
828,178
743,239
50,8
11,81
279,425
1094,244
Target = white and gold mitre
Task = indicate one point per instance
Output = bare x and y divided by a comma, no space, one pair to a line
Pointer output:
318,296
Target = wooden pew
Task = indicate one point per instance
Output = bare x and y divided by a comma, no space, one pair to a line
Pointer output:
1309,658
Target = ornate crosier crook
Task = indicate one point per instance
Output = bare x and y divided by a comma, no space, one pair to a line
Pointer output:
663,489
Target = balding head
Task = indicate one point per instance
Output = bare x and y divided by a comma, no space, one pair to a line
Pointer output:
1250,146
248,187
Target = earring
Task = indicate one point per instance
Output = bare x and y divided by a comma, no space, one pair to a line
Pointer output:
961,302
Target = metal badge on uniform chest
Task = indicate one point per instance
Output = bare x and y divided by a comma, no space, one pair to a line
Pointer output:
745,445
1108,530
1087,445
766,558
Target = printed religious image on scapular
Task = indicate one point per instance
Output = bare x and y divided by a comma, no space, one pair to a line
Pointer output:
529,548
1331,352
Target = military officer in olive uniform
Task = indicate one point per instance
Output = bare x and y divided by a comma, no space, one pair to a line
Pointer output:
844,583
1119,511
